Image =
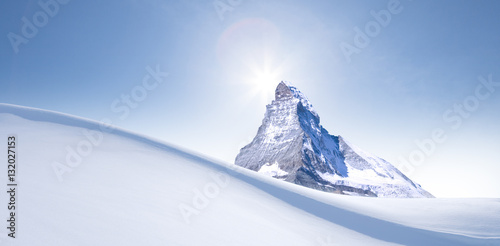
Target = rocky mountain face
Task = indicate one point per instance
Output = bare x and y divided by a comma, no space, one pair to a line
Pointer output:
292,145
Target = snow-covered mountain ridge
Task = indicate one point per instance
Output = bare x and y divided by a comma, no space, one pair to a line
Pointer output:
292,143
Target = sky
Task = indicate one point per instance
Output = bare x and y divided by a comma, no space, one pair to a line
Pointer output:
414,82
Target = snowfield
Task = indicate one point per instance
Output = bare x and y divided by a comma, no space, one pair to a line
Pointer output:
84,184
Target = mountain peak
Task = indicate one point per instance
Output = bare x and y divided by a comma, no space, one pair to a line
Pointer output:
292,145
283,92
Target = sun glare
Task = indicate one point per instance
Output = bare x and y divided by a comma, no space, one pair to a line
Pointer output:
250,51
263,83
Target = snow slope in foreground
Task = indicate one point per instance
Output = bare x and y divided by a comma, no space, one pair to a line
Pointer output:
129,190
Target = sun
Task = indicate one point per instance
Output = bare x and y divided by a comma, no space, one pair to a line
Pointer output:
250,50
264,76
264,82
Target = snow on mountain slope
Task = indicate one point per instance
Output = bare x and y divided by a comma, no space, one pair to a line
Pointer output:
128,189
292,138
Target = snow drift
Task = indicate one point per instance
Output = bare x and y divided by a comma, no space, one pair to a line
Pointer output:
128,189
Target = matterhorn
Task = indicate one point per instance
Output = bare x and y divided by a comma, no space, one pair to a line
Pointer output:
291,145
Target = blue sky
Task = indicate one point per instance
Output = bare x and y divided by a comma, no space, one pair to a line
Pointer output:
223,65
